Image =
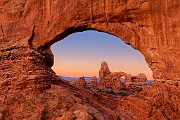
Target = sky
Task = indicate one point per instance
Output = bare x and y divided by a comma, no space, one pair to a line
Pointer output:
81,54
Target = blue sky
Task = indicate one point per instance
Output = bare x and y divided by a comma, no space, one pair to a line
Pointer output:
81,53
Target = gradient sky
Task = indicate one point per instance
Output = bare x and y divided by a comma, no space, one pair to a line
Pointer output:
81,53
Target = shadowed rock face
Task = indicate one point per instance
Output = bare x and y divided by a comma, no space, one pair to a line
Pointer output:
29,27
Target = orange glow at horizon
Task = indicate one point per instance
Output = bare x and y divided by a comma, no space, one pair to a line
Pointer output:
93,70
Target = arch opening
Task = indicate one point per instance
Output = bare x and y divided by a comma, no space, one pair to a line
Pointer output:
122,79
86,50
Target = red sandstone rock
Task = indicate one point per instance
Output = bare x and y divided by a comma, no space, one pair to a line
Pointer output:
93,81
82,115
111,81
104,70
81,82
142,77
118,85
128,79
29,89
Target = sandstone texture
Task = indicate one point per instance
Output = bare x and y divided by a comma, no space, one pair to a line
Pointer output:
81,82
93,81
112,80
104,70
29,88
114,84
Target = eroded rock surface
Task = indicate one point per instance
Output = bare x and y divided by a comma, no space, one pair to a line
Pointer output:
81,82
93,81
111,82
104,70
29,89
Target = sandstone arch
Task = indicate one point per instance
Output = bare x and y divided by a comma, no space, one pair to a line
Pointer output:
29,27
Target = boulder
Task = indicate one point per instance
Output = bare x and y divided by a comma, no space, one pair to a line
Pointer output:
141,77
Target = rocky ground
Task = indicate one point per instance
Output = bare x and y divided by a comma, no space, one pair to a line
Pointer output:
65,102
